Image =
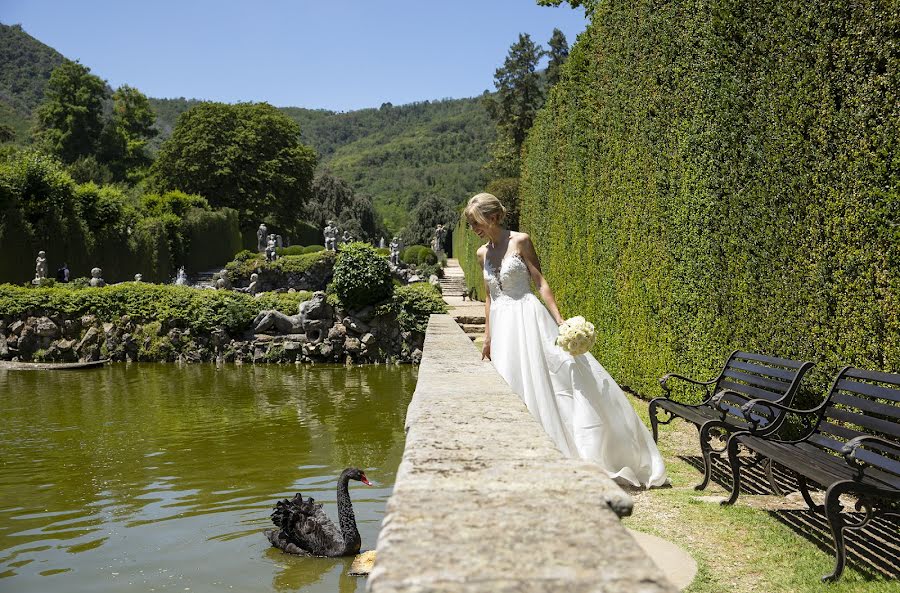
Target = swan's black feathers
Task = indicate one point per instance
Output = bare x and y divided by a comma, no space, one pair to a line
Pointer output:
304,528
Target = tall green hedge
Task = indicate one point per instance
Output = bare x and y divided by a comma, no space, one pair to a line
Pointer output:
718,175
465,244
42,208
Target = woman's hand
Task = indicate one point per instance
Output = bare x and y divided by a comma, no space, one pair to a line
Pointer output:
486,349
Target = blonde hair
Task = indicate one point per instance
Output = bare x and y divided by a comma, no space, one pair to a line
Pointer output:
484,207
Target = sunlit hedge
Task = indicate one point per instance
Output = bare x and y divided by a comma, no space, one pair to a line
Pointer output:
708,176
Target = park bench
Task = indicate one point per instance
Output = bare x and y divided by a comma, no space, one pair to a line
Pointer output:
850,445
744,377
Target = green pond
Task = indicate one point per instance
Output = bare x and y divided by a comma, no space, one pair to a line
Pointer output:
153,477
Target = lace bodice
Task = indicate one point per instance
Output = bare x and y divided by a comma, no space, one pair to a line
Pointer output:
512,280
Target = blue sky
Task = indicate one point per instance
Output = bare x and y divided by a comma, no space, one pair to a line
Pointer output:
334,55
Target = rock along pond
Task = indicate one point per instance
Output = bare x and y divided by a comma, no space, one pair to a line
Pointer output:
154,477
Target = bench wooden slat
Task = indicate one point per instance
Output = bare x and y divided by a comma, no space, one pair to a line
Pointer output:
838,430
838,469
871,390
873,376
784,362
878,460
755,392
867,405
758,381
885,427
767,371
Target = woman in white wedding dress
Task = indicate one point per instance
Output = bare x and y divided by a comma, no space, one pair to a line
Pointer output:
576,401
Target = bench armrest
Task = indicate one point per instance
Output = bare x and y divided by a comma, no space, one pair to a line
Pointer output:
747,408
663,381
850,447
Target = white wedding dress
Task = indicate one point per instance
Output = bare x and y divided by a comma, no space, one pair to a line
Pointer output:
576,401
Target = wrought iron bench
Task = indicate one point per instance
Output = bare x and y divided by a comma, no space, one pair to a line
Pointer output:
745,377
851,445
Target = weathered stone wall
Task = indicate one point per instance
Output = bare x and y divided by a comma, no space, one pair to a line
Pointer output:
485,502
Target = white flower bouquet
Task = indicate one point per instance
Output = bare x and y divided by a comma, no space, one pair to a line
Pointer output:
576,335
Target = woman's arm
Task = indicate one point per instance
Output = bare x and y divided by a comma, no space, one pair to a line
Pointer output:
486,349
526,249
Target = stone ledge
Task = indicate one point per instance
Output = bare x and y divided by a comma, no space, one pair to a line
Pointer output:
484,500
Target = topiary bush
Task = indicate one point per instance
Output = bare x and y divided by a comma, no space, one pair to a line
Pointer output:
313,248
292,250
418,254
361,276
413,305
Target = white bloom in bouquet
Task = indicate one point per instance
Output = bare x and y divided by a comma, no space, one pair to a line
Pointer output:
576,335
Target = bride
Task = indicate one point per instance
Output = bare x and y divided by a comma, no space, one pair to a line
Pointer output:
576,401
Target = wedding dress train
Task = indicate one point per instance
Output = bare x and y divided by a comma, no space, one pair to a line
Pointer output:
577,402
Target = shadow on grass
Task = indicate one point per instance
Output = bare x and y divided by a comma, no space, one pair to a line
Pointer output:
874,550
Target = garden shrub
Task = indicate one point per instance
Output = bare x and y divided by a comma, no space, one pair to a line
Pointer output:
313,248
292,250
361,276
711,176
413,305
418,254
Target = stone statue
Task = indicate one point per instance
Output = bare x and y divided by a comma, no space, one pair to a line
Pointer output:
40,267
138,278
440,235
331,233
181,278
220,284
346,238
304,321
261,234
96,280
381,244
271,245
253,287
395,251
279,242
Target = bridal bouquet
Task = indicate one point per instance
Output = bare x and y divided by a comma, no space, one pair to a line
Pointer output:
576,335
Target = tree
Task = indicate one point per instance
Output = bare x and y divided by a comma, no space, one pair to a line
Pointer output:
516,103
588,5
126,134
246,156
428,213
70,119
334,199
7,133
559,53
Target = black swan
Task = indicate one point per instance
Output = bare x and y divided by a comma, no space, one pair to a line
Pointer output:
305,530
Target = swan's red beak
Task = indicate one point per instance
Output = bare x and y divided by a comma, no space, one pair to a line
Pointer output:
364,480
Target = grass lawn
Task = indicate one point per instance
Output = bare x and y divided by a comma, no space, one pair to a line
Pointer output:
741,548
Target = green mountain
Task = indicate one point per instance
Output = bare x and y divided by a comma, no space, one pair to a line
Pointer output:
25,67
394,154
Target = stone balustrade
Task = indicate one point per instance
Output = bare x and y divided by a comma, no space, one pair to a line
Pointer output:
484,501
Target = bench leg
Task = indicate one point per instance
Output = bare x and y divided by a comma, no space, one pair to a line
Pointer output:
836,522
804,491
706,449
653,410
735,463
771,477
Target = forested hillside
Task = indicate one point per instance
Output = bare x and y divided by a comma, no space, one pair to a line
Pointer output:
25,66
395,154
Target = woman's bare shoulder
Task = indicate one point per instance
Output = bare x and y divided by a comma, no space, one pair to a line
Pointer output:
519,239
482,251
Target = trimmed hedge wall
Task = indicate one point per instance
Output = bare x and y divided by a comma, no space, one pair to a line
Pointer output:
465,244
718,175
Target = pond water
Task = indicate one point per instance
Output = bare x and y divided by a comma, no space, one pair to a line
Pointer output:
152,477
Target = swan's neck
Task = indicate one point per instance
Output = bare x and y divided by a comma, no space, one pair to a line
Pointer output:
346,518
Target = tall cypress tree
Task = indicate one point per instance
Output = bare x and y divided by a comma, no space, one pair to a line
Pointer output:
559,53
515,104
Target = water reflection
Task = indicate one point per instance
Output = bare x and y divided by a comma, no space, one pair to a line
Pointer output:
163,476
